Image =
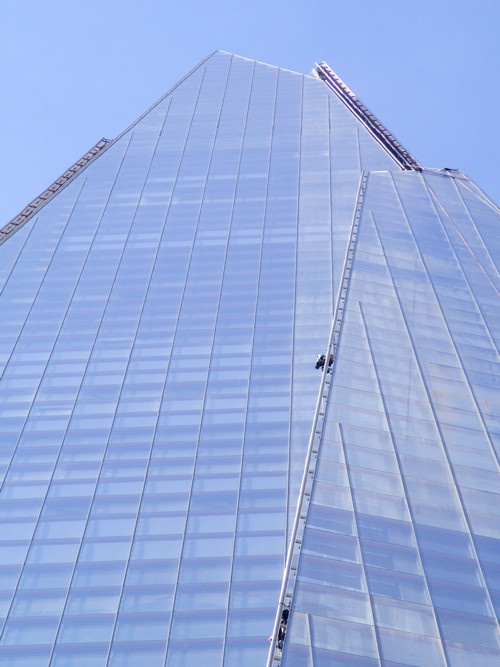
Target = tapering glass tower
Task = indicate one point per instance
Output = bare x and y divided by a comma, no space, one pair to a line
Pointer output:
175,472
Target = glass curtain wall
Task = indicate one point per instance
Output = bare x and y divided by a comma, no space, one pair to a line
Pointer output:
401,553
160,321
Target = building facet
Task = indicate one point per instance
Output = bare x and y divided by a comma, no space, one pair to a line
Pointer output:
176,473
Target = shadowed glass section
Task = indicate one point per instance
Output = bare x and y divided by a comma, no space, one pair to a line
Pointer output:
402,538
160,320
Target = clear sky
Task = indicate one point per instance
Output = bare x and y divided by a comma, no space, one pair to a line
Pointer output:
73,71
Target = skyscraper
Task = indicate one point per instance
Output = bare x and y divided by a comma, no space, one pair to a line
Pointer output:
177,474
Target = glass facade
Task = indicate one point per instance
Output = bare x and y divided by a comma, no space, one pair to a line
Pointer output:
402,539
160,321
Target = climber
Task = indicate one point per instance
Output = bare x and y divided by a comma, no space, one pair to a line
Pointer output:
320,361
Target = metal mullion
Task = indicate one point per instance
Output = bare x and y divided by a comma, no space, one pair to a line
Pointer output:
433,196
149,457
380,133
400,468
176,585
330,197
431,407
358,149
53,347
35,296
237,509
477,191
165,95
55,188
154,264
470,216
434,199
316,434
297,235
5,364
83,377
363,566
450,334
14,452
23,246
25,321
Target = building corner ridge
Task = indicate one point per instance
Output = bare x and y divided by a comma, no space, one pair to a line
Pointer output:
39,202
384,137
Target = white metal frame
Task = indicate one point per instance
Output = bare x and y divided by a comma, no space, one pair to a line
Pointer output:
291,563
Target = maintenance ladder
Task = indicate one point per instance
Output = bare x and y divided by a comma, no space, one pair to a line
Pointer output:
315,437
387,140
33,207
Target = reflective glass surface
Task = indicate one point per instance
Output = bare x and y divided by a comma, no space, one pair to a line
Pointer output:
160,321
160,316
400,555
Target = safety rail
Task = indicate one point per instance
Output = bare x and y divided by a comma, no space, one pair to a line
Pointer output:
278,635
387,140
34,206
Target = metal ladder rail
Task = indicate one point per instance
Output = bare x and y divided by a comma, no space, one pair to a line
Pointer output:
370,121
33,207
289,574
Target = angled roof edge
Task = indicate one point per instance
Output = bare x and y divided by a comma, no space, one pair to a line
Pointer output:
377,130
39,202
472,186
169,91
382,135
466,181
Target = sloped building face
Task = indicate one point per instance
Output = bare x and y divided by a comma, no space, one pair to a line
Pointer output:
161,316
400,549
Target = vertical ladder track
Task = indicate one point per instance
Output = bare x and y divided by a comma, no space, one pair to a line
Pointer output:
387,140
316,434
33,207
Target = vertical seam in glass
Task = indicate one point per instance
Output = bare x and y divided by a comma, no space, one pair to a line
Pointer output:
188,508
471,218
355,513
432,197
396,453
477,191
297,236
330,206
68,590
110,645
7,278
169,92
54,189
378,131
358,149
242,458
435,200
37,291
21,249
310,634
431,406
317,429
14,451
24,324
55,342
138,325
452,339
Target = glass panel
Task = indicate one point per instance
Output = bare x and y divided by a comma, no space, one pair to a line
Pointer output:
160,320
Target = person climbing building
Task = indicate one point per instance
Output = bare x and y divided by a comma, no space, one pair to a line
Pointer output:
320,361
282,629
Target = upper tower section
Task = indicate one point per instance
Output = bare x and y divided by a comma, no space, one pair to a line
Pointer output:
327,121
387,140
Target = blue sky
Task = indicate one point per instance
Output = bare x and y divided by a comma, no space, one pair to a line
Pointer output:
74,71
